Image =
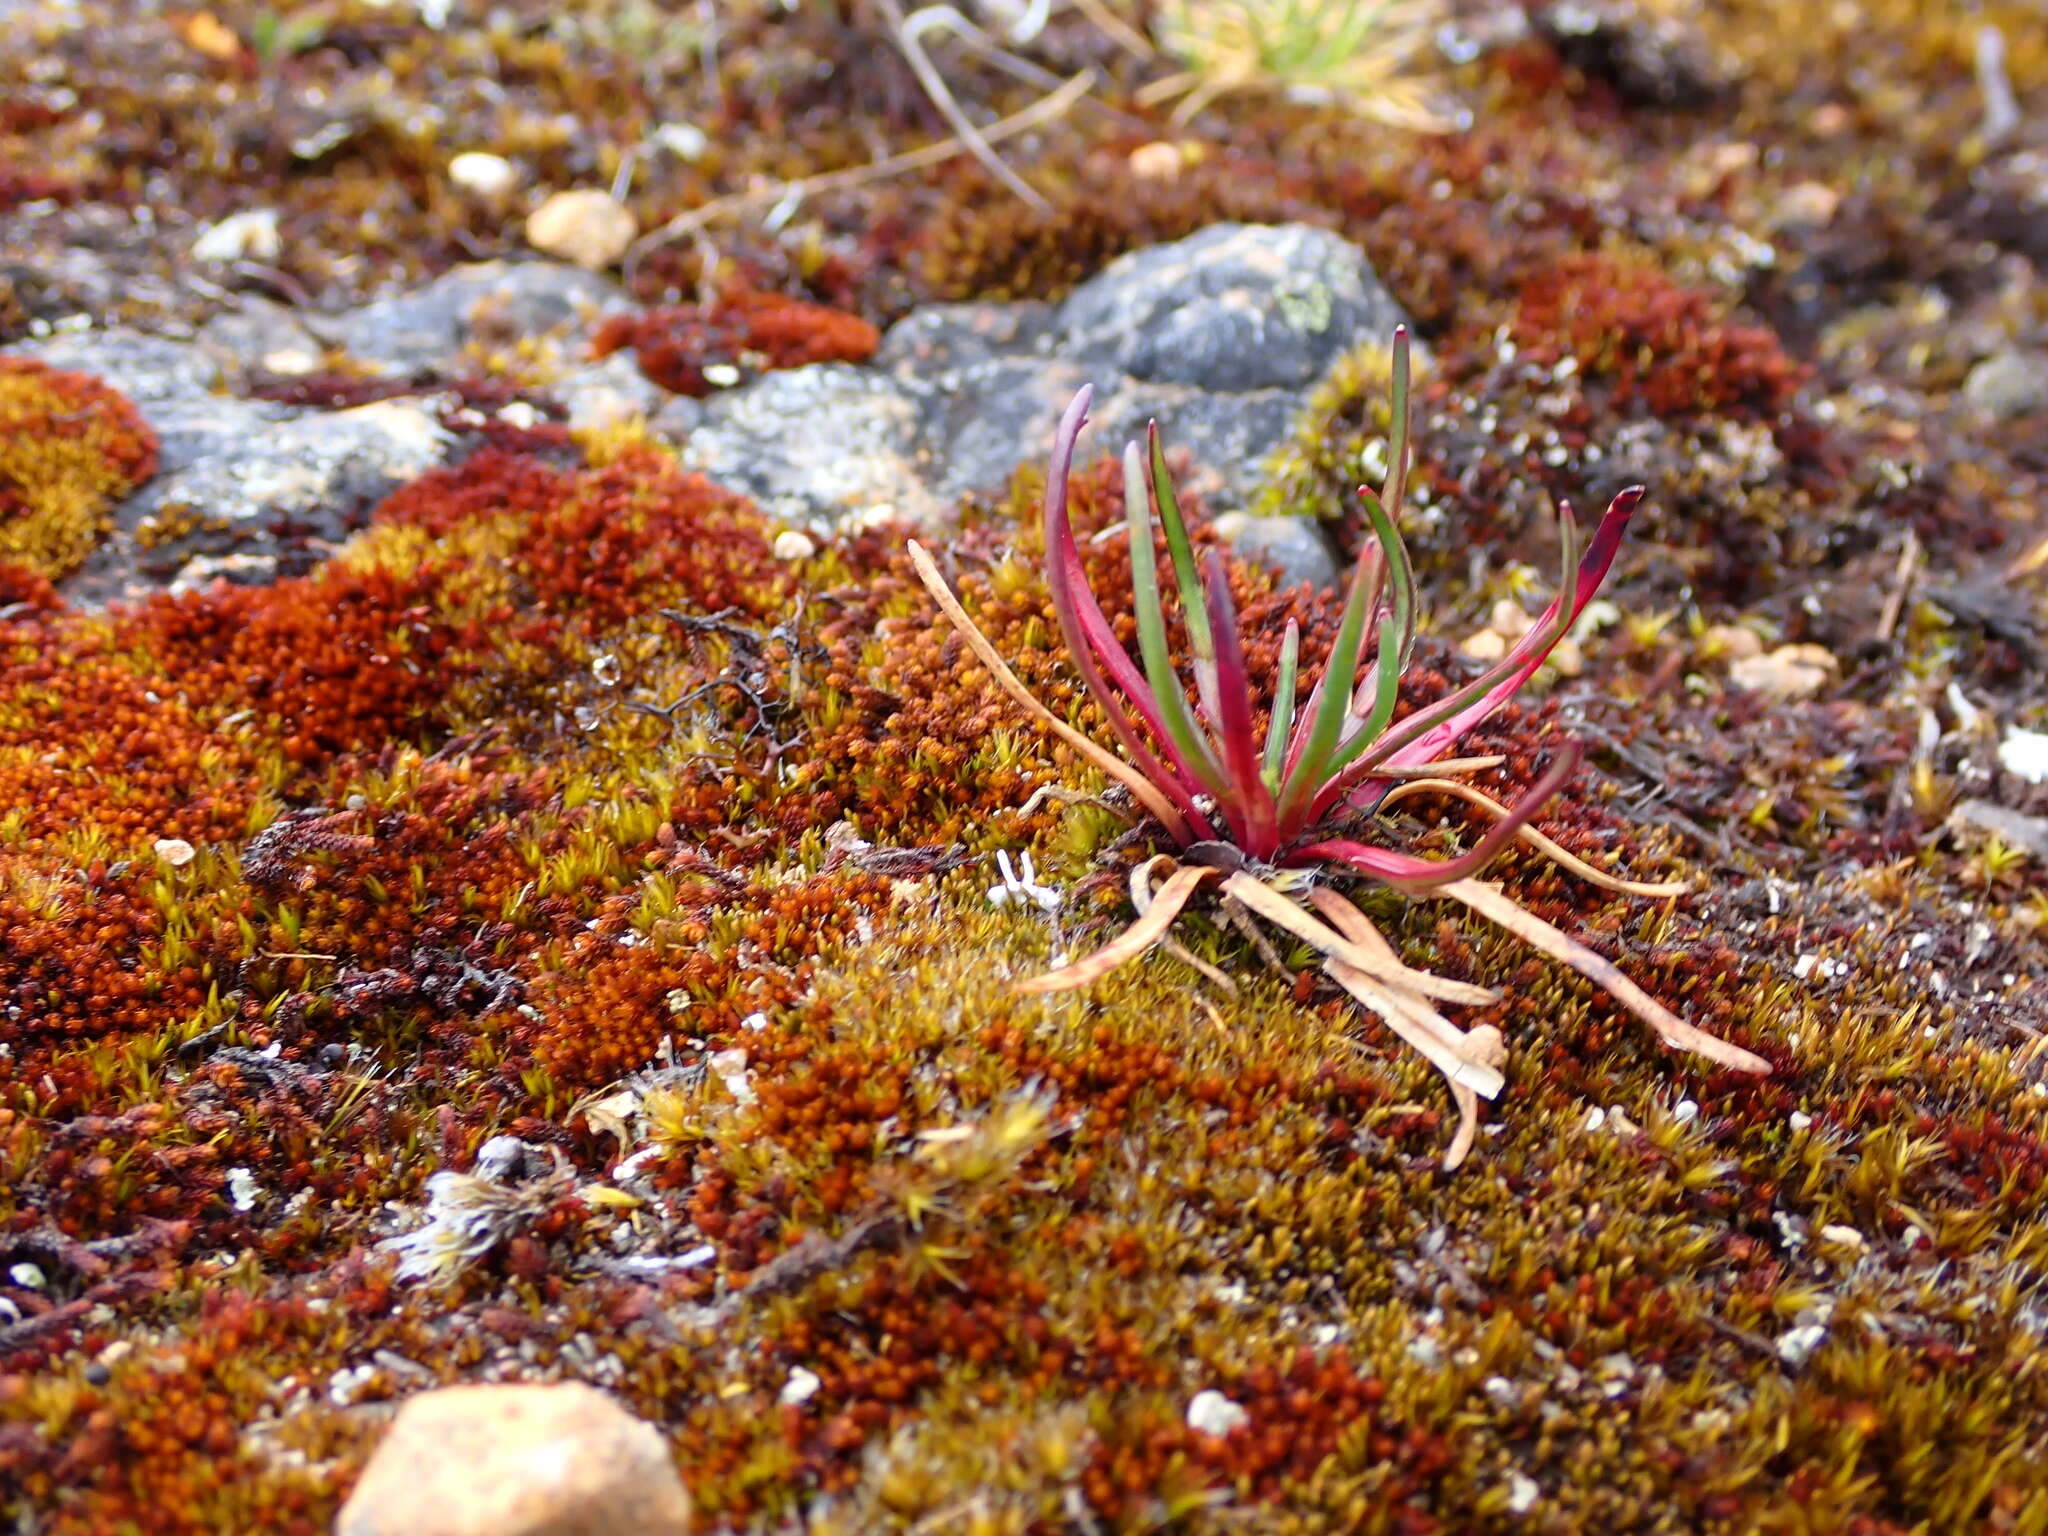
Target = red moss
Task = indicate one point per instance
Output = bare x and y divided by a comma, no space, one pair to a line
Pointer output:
1669,346
750,331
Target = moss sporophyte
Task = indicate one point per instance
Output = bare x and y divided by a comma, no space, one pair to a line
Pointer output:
1267,822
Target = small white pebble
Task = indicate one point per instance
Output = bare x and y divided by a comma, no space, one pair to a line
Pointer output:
792,544
730,1068
1843,1237
519,414
686,141
1799,1120
2024,754
801,1387
1796,1345
484,175
247,236
174,851
1685,1111
1522,1492
721,375
1596,1119
27,1276
1211,1413
243,1189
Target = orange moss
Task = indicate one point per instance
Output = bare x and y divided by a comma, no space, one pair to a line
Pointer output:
744,330
70,447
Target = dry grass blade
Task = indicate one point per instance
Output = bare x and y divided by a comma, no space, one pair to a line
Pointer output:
1440,767
1282,913
1421,1026
1488,902
1359,929
1142,788
1544,845
1142,897
1128,945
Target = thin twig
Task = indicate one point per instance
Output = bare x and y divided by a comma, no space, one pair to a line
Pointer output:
1544,845
1146,792
1047,109
1489,902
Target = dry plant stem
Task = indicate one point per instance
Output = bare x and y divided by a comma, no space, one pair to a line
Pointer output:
1115,28
1456,1069
1439,1041
1140,787
1438,768
1536,840
1141,899
1238,918
1488,902
941,96
1047,110
1128,945
1282,913
1483,1045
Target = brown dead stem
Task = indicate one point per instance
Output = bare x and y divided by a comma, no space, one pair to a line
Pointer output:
1489,902
1535,839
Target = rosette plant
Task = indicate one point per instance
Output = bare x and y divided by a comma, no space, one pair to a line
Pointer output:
1268,817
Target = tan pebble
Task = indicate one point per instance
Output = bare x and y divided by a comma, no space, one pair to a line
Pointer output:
1731,641
561,1459
1788,674
484,175
1509,619
792,544
1484,646
585,226
1157,161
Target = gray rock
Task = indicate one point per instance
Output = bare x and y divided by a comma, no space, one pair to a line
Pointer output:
2009,384
608,394
144,368
832,441
1219,336
317,467
1236,307
944,336
489,302
260,336
1292,547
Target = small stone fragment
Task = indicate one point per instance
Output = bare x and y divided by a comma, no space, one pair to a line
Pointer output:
1293,548
793,544
247,236
2024,754
174,851
1731,642
559,1459
483,175
1786,675
588,227
1157,161
1211,1413
2009,384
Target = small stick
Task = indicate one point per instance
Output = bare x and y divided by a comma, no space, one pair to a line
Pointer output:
1488,902
1045,110
1544,845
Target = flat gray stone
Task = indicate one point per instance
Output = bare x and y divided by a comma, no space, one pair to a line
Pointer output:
831,441
426,330
1293,548
1236,307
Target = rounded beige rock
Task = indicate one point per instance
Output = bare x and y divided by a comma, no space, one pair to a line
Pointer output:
586,226
559,1459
